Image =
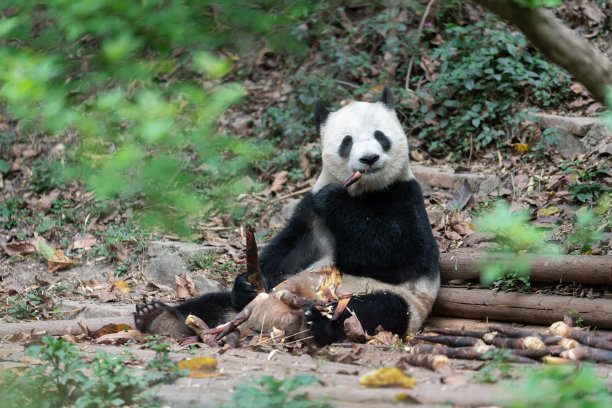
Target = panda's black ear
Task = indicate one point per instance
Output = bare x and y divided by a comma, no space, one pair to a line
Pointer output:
321,113
387,98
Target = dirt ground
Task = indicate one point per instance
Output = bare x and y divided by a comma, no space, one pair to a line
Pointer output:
337,368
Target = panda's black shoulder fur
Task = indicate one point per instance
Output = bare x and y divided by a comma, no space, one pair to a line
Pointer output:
381,234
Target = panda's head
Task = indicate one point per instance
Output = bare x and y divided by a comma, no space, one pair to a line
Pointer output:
366,137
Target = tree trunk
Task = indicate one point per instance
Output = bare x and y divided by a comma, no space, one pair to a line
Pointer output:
564,268
559,43
521,308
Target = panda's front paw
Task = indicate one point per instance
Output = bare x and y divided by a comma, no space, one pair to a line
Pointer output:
323,329
242,292
327,195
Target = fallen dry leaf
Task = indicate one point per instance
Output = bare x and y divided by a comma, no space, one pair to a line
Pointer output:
123,337
200,367
121,287
185,289
87,241
353,330
577,87
58,262
18,248
384,338
280,179
387,377
46,201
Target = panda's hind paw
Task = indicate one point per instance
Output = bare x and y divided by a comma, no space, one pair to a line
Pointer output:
159,318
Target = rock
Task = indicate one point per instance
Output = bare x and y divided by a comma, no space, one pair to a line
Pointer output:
595,135
489,186
204,285
184,248
578,126
430,177
162,268
166,261
569,146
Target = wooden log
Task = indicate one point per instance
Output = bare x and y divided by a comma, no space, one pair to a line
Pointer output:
521,308
60,327
564,268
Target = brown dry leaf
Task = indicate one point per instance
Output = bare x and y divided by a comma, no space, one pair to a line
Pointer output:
18,248
593,13
452,235
185,289
200,367
122,337
58,262
109,329
579,103
45,202
305,164
353,330
280,179
121,287
461,198
463,228
384,338
121,253
105,296
387,377
87,241
577,87
521,181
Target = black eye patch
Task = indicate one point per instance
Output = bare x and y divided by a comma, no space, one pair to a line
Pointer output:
345,147
383,140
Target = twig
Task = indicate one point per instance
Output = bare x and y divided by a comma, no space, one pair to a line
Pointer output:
421,25
302,191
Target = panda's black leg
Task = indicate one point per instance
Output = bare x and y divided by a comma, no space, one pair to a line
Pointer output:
372,310
323,329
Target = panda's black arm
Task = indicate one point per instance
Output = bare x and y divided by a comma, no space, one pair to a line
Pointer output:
289,252
386,231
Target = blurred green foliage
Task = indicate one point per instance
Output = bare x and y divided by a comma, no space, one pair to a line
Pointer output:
142,85
513,235
540,3
566,386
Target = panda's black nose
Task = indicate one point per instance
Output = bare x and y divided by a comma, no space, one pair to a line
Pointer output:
369,159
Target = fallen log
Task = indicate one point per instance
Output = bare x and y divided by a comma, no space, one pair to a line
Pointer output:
60,327
563,268
523,308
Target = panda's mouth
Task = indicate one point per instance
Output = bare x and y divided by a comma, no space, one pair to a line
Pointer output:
369,170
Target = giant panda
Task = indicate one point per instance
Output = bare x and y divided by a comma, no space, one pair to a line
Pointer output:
376,232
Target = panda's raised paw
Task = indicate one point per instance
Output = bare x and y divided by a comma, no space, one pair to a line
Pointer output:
324,197
323,329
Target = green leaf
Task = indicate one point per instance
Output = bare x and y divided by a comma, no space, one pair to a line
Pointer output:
45,249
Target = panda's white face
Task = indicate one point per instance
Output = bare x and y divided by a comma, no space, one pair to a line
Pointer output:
366,137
